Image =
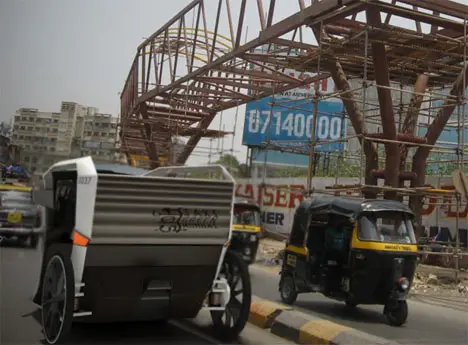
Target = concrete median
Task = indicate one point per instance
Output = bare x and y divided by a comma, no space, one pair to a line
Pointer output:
303,328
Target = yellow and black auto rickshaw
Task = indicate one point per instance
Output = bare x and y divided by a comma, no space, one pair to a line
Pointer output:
355,251
246,228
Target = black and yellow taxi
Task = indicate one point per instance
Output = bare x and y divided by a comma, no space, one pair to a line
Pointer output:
353,250
246,228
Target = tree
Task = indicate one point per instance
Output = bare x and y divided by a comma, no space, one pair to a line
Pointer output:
232,164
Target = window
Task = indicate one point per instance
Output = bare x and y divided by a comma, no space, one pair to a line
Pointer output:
246,216
390,227
64,203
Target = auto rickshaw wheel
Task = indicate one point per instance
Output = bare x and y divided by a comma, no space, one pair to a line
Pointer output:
288,289
57,297
398,314
230,322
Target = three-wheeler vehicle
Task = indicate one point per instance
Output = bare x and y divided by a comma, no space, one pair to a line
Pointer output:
352,250
151,247
246,228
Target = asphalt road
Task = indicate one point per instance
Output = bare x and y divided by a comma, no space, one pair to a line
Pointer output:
19,271
428,322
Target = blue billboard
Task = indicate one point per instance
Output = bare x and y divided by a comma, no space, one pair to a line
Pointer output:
290,124
279,158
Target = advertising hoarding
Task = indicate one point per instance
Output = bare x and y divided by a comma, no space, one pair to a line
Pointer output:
449,137
280,158
290,123
279,198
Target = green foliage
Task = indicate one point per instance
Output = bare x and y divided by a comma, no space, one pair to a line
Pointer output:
441,170
337,167
290,172
232,164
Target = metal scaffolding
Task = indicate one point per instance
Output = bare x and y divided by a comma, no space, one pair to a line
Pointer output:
187,72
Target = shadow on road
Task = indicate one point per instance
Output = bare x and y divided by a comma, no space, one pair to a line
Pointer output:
336,310
135,333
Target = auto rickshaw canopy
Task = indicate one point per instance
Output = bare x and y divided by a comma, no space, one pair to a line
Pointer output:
326,205
247,202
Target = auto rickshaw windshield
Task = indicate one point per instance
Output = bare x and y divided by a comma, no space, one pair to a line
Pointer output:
247,216
386,226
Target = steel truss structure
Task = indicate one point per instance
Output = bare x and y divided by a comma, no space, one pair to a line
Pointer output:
184,74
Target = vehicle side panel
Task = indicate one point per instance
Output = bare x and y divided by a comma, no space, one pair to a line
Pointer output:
375,273
155,246
119,280
295,261
153,210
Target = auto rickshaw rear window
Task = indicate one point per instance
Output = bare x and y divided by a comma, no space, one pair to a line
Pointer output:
389,227
246,216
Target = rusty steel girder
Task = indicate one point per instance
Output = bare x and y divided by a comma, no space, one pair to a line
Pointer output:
182,76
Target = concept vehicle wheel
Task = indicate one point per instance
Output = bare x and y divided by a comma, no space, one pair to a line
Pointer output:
230,322
57,298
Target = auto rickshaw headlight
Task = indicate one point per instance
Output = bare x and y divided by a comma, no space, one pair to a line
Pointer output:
253,238
403,284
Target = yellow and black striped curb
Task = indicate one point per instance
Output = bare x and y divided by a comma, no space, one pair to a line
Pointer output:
302,328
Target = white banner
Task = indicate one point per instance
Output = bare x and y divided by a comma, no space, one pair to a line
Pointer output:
279,204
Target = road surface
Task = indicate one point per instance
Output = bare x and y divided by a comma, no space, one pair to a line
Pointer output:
19,270
428,323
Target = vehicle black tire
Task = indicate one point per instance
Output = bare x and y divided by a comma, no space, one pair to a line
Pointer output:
288,290
397,315
229,323
58,291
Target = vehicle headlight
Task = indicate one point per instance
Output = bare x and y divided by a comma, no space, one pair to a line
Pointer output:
253,238
403,284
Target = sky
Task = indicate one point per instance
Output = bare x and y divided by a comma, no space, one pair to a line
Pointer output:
81,51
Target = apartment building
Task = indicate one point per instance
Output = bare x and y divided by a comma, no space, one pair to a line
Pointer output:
75,131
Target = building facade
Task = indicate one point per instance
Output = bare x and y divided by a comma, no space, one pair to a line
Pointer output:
75,131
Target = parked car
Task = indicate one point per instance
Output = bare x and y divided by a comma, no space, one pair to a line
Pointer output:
20,218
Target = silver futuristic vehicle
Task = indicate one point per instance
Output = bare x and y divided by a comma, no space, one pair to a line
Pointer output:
138,248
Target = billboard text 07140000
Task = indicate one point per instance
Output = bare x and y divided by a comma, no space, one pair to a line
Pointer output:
290,123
